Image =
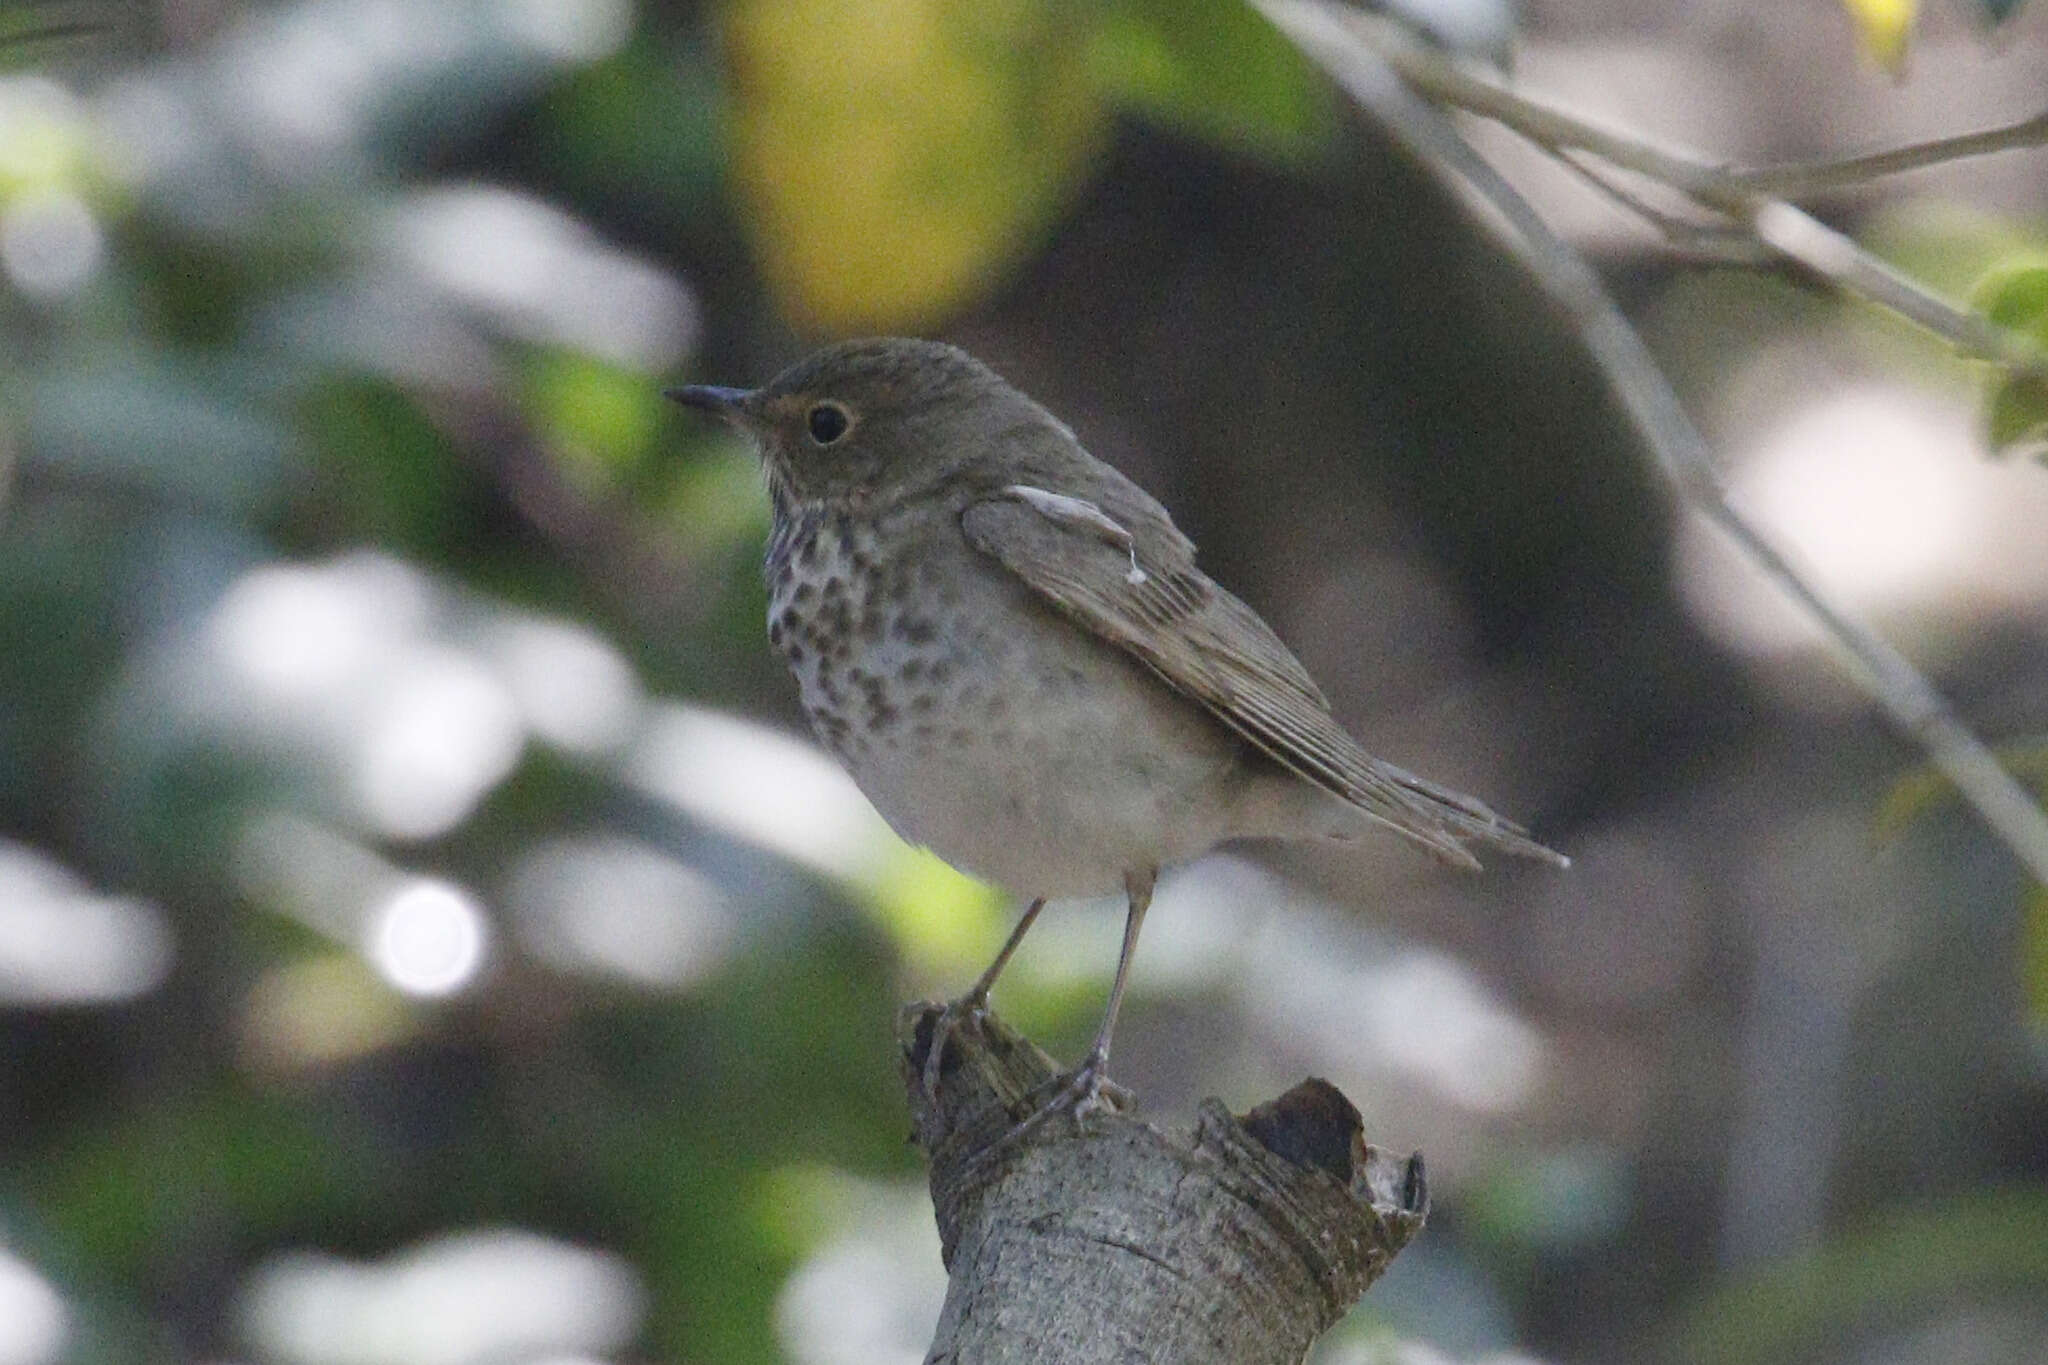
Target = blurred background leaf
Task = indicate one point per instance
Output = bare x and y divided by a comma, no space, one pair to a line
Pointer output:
1216,69
1885,28
896,155
1872,1280
2015,296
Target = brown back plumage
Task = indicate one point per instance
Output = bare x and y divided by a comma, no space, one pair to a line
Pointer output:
1141,592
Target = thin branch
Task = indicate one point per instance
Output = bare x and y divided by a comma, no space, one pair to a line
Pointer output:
1434,72
1799,237
1786,230
1712,243
1798,180
1321,31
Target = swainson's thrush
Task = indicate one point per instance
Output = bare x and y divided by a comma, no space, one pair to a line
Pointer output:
1009,646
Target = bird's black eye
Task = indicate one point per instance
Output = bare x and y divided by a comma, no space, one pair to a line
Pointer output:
828,422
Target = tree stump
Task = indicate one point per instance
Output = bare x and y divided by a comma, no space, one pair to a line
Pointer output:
1106,1240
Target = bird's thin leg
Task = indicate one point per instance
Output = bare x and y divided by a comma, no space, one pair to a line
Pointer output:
1083,1091
977,994
976,1000
1138,891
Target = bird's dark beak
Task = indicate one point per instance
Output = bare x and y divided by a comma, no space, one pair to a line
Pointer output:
727,404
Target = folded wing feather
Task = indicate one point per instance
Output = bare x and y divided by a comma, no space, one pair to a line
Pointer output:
1138,588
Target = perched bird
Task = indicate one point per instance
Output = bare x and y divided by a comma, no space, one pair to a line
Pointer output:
1009,646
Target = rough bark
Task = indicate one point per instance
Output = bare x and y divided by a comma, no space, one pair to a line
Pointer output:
1106,1240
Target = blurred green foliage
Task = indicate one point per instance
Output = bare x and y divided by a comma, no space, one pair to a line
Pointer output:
1870,1280
314,295
900,156
2015,296
895,155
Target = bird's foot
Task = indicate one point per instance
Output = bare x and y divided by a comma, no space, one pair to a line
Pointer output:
1086,1090
969,1008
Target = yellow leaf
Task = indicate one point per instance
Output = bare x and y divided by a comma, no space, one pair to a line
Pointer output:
1884,26
897,157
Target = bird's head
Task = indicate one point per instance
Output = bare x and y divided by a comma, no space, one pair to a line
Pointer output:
862,423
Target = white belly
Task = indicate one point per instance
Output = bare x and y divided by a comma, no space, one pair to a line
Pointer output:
1062,790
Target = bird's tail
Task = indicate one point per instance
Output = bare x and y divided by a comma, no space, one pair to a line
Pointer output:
1445,821
1441,820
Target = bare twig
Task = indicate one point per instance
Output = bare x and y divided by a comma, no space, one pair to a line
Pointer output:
1714,242
1798,180
1785,230
1812,244
1326,34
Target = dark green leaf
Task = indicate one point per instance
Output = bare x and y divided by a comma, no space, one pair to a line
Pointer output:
2016,418
1215,68
2014,295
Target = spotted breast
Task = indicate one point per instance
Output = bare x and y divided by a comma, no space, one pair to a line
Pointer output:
966,713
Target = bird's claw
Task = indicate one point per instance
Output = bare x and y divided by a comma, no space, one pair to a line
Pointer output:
1087,1090
971,1007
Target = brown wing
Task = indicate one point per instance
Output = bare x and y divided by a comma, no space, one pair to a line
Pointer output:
1140,590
